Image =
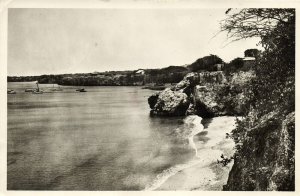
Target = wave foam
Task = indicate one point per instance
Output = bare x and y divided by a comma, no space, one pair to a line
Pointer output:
192,126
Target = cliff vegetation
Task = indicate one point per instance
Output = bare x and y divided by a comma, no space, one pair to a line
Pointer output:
265,137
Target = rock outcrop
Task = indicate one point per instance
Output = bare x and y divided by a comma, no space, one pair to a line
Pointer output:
205,94
169,103
207,103
216,77
188,83
265,153
176,100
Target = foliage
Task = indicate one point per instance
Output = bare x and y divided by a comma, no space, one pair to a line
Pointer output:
271,94
173,69
251,53
234,65
247,23
274,84
206,63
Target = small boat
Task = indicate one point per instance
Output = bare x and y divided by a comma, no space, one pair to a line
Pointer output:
37,90
81,90
29,90
10,91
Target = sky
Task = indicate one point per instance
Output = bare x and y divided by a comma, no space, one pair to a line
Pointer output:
58,41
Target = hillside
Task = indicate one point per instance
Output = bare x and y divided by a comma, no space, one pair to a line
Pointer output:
152,77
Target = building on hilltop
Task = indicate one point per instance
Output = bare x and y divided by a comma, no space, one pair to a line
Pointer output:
248,63
140,72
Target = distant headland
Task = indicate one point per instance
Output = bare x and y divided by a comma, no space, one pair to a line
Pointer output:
140,77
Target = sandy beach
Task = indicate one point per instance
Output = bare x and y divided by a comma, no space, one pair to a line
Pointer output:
203,172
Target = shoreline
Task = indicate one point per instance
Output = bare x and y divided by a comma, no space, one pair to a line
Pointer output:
194,126
203,172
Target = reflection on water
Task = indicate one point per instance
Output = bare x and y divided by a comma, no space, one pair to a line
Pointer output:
103,139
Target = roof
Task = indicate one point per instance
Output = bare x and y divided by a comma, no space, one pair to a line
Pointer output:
140,71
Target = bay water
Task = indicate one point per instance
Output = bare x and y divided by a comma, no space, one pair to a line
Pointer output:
102,139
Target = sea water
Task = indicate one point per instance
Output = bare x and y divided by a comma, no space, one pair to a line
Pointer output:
102,139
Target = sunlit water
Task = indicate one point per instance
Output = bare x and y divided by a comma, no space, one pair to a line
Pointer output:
103,139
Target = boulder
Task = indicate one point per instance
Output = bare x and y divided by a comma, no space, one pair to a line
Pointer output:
170,103
206,102
174,101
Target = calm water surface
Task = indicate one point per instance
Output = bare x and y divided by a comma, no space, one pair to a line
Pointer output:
103,139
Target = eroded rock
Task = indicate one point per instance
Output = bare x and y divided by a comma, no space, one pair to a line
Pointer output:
170,103
206,97
266,160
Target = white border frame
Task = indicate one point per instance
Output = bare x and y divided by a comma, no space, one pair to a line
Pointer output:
124,4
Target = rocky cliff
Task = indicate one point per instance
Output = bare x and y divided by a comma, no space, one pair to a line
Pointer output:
206,94
265,160
265,145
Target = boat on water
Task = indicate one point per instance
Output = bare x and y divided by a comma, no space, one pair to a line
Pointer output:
10,91
81,90
29,90
37,90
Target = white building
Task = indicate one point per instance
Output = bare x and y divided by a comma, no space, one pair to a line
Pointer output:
140,72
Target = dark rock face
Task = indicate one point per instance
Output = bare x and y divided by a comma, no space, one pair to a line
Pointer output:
267,160
152,100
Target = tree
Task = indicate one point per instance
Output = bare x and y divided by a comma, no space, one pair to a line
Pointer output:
234,65
247,23
206,63
272,97
251,53
276,28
